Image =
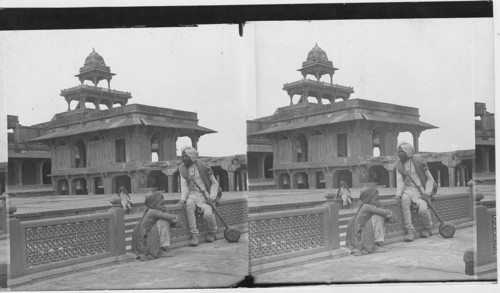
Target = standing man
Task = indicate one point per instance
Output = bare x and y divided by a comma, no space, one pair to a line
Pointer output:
193,201
408,195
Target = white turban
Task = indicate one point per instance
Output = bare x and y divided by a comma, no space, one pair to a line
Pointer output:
191,152
407,148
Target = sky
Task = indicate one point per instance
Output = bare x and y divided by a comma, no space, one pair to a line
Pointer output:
193,69
437,65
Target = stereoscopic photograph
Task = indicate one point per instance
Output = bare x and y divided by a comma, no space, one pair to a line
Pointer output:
340,152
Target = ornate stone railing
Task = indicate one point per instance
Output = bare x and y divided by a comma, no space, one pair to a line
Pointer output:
294,233
45,244
96,90
28,146
234,212
321,83
482,260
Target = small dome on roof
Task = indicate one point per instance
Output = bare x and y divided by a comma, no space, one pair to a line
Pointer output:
93,58
316,53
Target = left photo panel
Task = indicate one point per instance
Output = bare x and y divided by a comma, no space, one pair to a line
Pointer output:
124,165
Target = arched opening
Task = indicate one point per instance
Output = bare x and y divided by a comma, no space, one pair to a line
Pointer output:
122,180
301,180
79,186
346,176
253,166
312,100
80,154
492,159
379,175
284,181
222,177
28,173
268,166
62,187
103,106
155,148
98,187
159,180
46,170
320,180
296,99
301,148
440,173
11,175
182,142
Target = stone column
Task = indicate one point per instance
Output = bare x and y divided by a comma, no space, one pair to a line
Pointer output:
261,166
392,175
486,159
230,177
71,187
90,186
438,178
38,173
451,173
311,177
416,135
241,181
170,180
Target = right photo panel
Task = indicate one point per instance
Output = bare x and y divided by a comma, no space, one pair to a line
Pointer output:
371,152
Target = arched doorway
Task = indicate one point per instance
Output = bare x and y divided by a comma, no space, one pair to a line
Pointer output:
158,179
122,180
379,175
98,187
301,148
46,170
301,180
28,173
79,186
320,180
80,154
346,176
284,181
62,187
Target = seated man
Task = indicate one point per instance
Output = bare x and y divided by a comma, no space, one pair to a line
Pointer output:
407,194
193,201
151,236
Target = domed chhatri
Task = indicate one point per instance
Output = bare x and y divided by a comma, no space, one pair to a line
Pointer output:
317,53
94,58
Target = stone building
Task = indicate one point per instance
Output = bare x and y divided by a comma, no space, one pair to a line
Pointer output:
326,138
29,163
104,142
485,141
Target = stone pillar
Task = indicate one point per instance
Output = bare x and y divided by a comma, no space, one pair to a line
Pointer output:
194,141
71,187
392,175
230,177
416,135
241,181
38,173
119,214
90,186
261,166
438,178
451,173
170,181
311,177
332,231
291,98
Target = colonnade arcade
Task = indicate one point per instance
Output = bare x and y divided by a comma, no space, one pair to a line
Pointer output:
456,174
28,171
